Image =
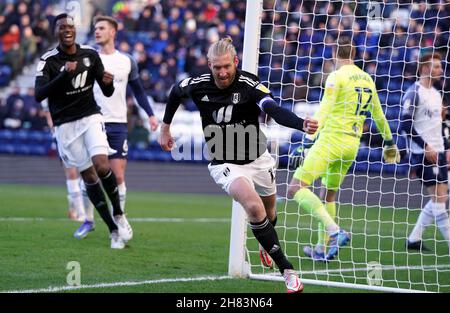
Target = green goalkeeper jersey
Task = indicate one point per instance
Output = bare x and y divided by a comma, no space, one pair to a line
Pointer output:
349,95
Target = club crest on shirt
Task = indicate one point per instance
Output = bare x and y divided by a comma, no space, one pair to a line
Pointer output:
236,97
86,62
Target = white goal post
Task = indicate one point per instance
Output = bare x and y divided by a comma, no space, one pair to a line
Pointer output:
378,203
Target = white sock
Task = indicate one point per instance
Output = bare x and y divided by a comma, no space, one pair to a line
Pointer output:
74,195
88,206
122,195
425,219
442,220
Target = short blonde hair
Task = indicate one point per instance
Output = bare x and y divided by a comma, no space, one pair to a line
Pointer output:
222,47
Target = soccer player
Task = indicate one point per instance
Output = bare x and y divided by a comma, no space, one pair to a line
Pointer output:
66,75
230,102
349,95
114,108
422,122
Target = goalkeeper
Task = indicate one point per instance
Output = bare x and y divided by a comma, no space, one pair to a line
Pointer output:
350,94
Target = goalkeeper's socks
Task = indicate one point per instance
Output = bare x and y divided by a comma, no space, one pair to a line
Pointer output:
312,204
267,237
97,197
323,235
110,185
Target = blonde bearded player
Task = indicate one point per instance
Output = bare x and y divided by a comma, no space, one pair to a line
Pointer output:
230,102
350,94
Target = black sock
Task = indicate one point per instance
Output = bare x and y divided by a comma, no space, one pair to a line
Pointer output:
267,237
110,185
97,197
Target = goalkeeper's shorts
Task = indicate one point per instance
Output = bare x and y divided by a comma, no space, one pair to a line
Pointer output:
259,173
430,174
329,158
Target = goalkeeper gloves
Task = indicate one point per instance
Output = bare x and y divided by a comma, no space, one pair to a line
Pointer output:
391,153
299,154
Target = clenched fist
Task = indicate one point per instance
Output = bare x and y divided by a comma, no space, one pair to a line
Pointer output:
107,78
310,125
70,67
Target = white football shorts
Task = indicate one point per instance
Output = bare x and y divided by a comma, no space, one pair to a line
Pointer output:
260,173
80,140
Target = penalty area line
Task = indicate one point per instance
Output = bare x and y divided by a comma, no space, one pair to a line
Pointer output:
119,284
131,219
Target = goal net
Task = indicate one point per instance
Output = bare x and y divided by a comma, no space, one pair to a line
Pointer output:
378,203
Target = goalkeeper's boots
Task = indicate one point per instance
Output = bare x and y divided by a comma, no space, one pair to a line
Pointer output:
84,229
416,245
125,230
266,260
116,241
293,283
337,240
310,252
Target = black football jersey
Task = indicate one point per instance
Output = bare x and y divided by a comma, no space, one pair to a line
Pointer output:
72,98
230,117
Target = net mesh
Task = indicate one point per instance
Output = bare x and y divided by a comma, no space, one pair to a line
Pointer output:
378,203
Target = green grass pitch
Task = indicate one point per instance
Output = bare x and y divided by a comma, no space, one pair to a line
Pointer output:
181,239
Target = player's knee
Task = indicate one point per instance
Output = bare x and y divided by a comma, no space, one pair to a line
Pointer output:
89,176
255,211
119,178
102,169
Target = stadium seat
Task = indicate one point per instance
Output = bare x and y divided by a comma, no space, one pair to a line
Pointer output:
6,135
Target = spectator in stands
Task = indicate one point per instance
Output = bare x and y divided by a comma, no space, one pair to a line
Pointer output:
14,94
28,45
3,25
146,23
16,115
35,119
3,112
30,100
42,32
296,90
139,135
146,80
11,38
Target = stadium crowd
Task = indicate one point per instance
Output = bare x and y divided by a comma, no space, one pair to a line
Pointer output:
169,38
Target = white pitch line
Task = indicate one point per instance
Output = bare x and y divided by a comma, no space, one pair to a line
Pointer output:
136,219
383,267
118,284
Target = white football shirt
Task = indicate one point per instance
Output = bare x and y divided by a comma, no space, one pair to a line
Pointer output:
425,107
124,69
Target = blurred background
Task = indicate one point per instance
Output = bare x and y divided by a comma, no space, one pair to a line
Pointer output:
169,40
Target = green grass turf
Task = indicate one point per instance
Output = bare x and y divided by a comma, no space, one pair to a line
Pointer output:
34,253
